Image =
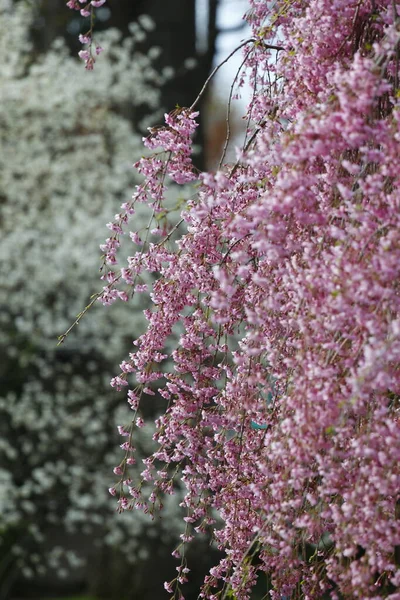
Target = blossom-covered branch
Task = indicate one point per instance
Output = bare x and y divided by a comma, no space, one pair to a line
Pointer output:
279,306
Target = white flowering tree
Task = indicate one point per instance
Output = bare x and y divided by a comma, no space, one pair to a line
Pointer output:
65,163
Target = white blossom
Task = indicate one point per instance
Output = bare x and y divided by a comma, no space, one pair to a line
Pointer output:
66,165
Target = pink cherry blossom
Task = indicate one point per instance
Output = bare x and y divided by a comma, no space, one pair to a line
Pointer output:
273,333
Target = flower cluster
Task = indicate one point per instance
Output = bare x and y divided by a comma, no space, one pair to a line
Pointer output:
282,387
174,143
86,9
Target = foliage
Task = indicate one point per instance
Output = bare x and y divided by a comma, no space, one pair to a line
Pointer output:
285,284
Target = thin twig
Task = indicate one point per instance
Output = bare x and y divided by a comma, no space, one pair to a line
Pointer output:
228,111
225,257
175,227
217,68
270,46
95,297
247,146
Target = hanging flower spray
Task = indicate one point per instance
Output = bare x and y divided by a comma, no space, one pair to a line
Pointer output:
282,389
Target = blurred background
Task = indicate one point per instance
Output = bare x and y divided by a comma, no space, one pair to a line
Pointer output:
68,141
